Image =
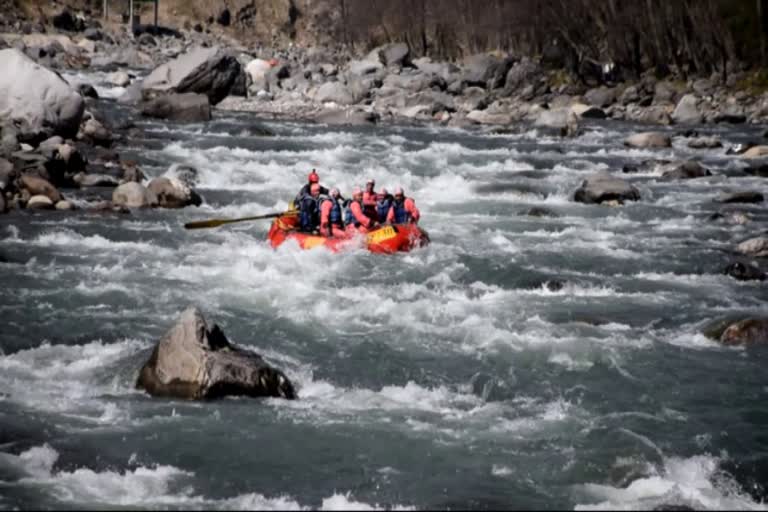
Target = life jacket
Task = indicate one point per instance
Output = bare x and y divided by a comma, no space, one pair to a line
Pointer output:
349,218
309,216
382,208
335,218
402,216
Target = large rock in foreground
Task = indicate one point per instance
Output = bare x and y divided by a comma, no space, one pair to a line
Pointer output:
208,71
36,100
194,362
172,193
602,188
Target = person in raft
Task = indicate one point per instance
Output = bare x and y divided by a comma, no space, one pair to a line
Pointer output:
403,209
370,197
383,205
305,190
331,219
309,209
356,219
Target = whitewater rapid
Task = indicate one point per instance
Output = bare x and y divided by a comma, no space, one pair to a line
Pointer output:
518,361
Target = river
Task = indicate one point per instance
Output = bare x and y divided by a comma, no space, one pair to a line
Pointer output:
517,362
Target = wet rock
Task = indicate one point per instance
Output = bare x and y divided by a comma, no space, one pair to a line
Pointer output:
39,186
346,117
648,140
131,173
185,108
687,111
40,202
539,211
133,195
209,71
730,118
755,152
746,196
587,112
87,91
603,187
746,332
705,143
684,171
186,174
756,247
38,101
194,362
146,40
119,79
335,92
65,206
733,218
95,180
94,131
744,271
173,193
759,169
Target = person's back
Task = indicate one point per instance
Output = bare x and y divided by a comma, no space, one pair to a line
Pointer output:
370,197
309,211
331,219
403,209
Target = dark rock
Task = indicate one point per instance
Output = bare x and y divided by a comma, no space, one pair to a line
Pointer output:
194,362
224,18
198,28
630,169
554,285
744,271
746,332
87,91
730,118
186,108
539,211
146,40
684,171
747,196
347,117
68,22
602,188
759,169
93,34
158,31
486,70
7,174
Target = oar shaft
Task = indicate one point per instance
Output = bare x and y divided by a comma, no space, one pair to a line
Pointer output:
214,223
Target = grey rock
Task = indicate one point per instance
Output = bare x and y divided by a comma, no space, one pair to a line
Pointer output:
630,95
93,34
335,92
146,40
95,180
747,196
119,79
684,170
395,54
364,67
486,70
187,108
746,332
602,188
687,111
38,101
664,93
194,362
648,140
133,195
756,247
601,97
94,131
705,143
208,71
755,152
521,74
172,193
132,95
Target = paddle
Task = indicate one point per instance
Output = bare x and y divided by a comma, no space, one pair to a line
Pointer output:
214,223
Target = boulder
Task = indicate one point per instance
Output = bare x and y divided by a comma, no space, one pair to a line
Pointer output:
186,108
68,22
684,170
563,120
601,97
746,196
755,152
705,143
94,131
648,140
347,117
756,247
731,118
65,206
364,67
93,34
746,332
146,40
744,271
488,117
38,101
602,187
209,71
119,79
395,54
192,361
87,91
486,70
95,180
37,186
521,74
40,202
224,18
257,69
173,193
586,112
687,111
335,92
630,95
133,195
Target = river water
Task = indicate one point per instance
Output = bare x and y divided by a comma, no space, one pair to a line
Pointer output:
517,362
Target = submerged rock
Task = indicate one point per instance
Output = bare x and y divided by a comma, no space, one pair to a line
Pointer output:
194,362
746,196
746,332
648,140
684,171
603,188
744,271
133,195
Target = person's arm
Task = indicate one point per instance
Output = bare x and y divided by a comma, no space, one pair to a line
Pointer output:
410,207
325,214
391,214
357,211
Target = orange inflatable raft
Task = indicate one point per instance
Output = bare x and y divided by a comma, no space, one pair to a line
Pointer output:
386,239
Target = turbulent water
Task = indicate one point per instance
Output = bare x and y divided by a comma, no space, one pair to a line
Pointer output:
456,376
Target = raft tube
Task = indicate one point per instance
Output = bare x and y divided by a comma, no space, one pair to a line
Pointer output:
387,239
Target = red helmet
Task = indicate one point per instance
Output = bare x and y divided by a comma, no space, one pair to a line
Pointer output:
314,177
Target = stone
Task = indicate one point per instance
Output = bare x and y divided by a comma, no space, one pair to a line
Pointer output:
395,54
131,173
364,67
334,92
539,211
486,70
521,74
756,247
40,202
257,69
687,111
146,40
193,361
65,206
648,140
65,20
705,143
93,34
746,332
39,186
684,170
746,196
730,118
488,117
209,71
96,132
603,187
755,152
630,95
133,195
95,180
601,97
119,79
744,271
38,101
347,117
173,193
587,112
187,108
224,18
87,91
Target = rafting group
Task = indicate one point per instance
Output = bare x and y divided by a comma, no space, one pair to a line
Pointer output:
384,222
